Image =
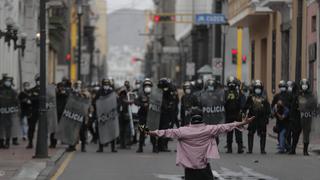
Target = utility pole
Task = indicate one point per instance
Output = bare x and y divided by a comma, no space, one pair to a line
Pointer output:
299,41
79,4
42,143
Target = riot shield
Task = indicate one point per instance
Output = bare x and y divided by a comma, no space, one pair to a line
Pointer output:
154,110
9,116
307,106
213,106
51,111
72,118
108,122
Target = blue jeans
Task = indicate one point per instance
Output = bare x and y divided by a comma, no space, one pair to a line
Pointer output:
282,139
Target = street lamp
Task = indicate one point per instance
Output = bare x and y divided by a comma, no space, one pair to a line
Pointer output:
22,45
42,143
225,28
79,13
11,32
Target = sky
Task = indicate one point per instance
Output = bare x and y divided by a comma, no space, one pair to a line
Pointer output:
113,5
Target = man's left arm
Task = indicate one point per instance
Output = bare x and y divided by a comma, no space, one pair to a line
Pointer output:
169,133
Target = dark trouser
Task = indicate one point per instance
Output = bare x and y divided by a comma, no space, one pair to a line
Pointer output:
83,133
306,129
124,123
262,132
32,122
198,174
142,138
237,133
154,141
293,134
53,140
113,143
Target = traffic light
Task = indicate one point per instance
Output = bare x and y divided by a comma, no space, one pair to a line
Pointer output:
68,58
244,59
164,18
234,56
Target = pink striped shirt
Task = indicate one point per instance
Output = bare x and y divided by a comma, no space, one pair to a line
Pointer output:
196,143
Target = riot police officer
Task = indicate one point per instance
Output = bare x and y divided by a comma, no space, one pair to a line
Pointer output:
198,88
169,110
35,101
105,90
282,95
258,106
232,112
188,100
307,107
294,128
61,100
9,107
143,103
77,91
124,116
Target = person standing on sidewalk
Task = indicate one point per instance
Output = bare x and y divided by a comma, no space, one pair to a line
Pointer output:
196,145
307,107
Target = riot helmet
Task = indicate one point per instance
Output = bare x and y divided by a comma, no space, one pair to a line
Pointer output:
283,86
291,86
127,85
26,86
147,86
138,84
304,85
257,87
106,83
8,81
231,83
77,86
164,84
210,85
199,84
187,87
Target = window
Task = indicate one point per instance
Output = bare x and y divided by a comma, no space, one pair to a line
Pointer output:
314,24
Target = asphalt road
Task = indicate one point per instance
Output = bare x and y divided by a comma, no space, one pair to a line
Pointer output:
128,165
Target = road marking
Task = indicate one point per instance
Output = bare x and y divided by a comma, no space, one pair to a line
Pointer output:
63,166
169,177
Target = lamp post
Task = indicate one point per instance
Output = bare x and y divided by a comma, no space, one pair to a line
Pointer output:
79,13
42,143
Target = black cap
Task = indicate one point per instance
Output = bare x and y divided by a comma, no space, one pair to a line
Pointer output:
196,115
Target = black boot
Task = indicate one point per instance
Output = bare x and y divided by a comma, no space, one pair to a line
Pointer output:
30,145
240,148
83,147
7,144
15,141
250,144
294,146
71,148
140,149
113,147
1,143
100,150
305,149
229,146
263,145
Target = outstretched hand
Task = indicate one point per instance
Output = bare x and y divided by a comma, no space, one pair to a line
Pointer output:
247,120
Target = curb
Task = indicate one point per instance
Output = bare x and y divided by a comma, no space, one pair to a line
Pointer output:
51,165
38,169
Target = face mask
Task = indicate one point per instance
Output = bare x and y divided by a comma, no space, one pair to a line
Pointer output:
188,91
304,87
38,83
138,86
290,89
257,91
147,90
63,91
7,83
96,88
166,89
283,89
246,94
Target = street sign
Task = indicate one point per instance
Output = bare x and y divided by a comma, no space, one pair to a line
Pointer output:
191,69
214,18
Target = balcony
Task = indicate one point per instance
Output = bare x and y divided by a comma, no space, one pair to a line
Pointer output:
246,12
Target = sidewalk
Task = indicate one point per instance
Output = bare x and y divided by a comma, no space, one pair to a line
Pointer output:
17,162
314,137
